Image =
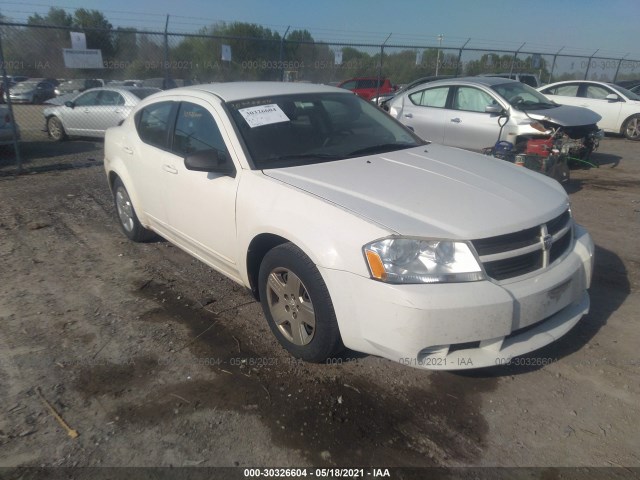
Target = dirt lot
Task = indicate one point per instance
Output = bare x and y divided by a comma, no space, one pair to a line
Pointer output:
156,360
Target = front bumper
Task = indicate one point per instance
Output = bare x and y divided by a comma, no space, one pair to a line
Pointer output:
463,325
22,97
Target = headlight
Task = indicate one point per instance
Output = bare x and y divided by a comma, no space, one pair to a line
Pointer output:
414,260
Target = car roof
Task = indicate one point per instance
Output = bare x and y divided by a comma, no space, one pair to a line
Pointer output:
485,81
232,91
579,81
119,89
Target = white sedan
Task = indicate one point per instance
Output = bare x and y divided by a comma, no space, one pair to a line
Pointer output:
349,229
618,107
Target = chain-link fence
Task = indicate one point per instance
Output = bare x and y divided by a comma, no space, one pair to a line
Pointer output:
56,73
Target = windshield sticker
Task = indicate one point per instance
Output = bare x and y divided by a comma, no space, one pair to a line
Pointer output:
263,115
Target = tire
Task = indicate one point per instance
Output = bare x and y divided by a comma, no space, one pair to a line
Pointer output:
631,128
55,129
297,304
127,217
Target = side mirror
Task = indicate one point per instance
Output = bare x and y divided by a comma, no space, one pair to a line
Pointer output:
493,109
612,97
69,104
210,161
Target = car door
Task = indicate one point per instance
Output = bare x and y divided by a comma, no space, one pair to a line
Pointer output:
201,205
564,94
148,149
109,111
467,125
593,97
424,113
77,119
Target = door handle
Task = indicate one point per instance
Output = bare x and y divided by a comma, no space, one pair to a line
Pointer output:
408,115
86,110
170,169
127,150
456,120
117,110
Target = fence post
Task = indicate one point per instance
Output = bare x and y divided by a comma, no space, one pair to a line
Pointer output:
615,77
586,74
515,55
14,128
166,54
460,56
281,53
380,70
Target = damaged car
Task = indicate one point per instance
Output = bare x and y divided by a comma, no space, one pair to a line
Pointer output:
349,229
503,117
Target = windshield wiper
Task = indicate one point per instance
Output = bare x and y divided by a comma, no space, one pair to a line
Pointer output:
382,148
313,157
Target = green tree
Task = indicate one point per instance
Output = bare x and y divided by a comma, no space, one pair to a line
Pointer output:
97,30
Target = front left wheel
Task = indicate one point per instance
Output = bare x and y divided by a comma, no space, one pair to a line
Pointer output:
631,129
56,129
297,304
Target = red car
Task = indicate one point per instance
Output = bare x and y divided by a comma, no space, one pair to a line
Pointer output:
368,87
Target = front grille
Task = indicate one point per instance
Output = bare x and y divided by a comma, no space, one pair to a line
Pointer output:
505,243
519,253
514,266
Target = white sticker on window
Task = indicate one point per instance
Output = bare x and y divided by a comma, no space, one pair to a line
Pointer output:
263,115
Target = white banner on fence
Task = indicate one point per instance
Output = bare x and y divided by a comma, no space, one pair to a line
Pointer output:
226,53
419,57
338,57
84,58
78,41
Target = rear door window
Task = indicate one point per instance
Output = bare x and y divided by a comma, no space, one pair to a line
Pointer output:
153,123
568,90
431,97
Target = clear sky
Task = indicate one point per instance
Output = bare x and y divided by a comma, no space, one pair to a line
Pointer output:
581,26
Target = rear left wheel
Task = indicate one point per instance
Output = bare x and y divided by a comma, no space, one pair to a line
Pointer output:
129,222
297,304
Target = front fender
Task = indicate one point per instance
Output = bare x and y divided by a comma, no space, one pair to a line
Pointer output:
329,235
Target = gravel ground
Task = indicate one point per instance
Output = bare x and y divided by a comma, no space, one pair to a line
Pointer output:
156,360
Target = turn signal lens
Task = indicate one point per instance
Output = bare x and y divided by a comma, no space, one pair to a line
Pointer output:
375,265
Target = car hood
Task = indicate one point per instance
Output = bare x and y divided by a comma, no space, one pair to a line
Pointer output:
433,191
566,115
52,110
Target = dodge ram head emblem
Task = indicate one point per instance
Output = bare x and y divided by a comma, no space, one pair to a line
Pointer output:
546,242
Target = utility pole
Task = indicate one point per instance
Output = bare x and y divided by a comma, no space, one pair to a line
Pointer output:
440,37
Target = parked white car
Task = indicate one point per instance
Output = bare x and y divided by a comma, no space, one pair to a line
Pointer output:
349,229
618,107
92,112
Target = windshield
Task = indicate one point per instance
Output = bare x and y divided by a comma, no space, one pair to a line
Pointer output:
74,83
144,92
29,84
627,93
523,97
293,130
